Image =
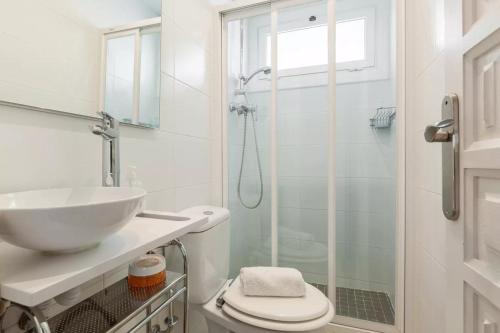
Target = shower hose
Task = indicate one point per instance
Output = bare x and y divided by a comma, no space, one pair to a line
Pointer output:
243,150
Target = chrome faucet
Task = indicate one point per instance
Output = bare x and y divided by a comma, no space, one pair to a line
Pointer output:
109,130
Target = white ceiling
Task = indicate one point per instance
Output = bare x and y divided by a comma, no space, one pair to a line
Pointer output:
109,13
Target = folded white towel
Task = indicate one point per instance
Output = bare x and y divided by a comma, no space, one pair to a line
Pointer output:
272,281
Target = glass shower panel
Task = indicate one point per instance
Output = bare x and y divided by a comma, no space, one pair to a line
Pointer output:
365,161
302,140
248,143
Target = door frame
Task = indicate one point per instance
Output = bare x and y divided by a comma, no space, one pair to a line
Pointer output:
219,148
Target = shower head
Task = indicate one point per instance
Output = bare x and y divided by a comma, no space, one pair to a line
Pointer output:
266,70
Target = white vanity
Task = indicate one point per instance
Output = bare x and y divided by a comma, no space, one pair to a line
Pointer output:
29,279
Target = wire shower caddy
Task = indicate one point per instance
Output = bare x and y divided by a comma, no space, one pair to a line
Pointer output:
383,117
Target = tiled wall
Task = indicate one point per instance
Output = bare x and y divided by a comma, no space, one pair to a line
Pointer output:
41,150
426,239
173,163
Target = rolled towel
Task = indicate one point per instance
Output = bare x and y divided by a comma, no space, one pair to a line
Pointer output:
272,281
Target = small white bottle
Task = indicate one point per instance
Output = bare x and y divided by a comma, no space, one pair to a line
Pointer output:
132,177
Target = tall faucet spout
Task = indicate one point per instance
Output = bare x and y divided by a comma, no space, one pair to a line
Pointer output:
109,130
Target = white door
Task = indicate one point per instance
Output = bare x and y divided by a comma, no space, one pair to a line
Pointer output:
472,37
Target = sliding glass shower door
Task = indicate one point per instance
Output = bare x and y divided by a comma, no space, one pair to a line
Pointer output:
248,143
365,134
302,145
310,140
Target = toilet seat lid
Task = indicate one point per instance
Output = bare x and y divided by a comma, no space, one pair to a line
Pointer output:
281,326
285,309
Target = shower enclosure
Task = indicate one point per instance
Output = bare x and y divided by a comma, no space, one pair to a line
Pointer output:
310,120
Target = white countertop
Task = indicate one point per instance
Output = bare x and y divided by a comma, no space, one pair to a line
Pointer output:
30,278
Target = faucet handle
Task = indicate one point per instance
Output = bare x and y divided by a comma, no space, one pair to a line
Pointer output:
105,116
96,129
108,120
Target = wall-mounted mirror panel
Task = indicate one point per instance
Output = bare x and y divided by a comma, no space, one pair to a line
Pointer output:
83,56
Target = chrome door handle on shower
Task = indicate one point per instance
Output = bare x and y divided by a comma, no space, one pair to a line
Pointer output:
446,132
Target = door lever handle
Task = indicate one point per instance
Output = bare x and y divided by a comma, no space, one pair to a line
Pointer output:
446,132
438,132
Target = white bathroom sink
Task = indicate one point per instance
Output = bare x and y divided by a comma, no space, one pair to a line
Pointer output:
66,220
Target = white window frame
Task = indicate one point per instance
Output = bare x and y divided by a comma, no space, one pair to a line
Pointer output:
290,71
376,65
133,29
368,14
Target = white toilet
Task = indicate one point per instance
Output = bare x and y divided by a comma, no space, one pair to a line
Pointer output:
208,256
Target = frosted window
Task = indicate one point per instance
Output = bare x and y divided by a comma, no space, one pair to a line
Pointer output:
149,107
351,40
309,46
301,48
119,94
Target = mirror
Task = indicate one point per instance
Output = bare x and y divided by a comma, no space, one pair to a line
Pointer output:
83,56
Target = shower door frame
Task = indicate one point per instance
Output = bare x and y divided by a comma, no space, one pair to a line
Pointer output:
246,8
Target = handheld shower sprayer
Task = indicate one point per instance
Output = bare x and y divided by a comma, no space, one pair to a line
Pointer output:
245,109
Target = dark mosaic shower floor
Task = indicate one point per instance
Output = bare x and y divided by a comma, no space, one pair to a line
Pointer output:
362,304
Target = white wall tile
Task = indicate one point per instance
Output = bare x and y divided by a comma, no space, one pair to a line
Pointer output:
431,295
191,161
189,196
426,285
191,62
161,200
195,16
428,33
190,112
428,97
42,151
431,224
152,153
426,163
168,45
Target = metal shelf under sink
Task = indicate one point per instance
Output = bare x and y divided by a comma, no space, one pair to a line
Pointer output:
116,307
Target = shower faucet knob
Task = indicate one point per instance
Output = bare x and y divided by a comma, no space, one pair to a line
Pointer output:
241,108
233,107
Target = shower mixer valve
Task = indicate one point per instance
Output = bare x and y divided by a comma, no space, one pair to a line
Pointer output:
241,108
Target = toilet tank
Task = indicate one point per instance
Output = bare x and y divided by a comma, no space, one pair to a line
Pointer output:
208,253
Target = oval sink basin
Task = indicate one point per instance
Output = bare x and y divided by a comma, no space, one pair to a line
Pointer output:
69,219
